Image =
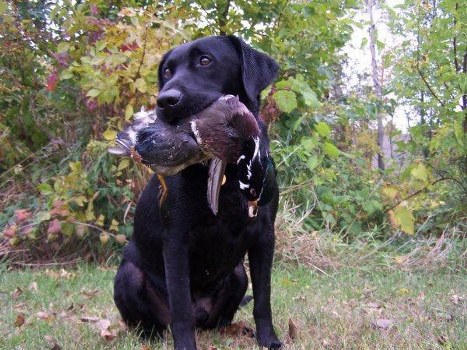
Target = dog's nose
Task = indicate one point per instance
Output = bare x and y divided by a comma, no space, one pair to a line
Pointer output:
169,98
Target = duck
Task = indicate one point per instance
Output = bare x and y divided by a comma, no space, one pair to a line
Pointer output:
225,132
166,149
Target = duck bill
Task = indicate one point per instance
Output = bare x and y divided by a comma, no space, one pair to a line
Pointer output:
252,209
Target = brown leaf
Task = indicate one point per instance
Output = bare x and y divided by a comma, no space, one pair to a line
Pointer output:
108,335
456,299
19,320
17,292
42,315
103,324
383,323
33,287
52,343
292,333
145,347
90,293
237,329
89,319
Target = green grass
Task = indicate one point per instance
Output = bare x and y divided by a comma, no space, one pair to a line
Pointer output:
336,310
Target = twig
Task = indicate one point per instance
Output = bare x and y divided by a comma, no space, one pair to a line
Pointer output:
417,192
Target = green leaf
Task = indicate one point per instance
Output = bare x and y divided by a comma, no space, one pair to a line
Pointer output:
312,162
63,47
93,93
141,85
309,143
45,189
405,220
330,150
420,172
110,135
286,100
323,129
128,111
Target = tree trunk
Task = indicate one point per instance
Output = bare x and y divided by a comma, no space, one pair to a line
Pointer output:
376,83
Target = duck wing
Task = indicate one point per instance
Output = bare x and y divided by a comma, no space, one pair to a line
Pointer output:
215,180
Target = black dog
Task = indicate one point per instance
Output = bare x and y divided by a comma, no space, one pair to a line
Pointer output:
184,265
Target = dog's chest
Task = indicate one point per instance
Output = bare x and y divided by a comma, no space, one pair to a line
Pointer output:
218,245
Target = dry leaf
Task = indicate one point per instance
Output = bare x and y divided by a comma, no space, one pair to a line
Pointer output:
108,335
17,292
89,319
90,293
456,299
103,324
20,319
292,333
52,343
383,323
33,287
42,315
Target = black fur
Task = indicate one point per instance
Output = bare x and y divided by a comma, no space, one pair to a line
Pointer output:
184,266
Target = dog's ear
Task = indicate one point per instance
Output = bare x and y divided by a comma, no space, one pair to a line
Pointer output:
258,70
160,76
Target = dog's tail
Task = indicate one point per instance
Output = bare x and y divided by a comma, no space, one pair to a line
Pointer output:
246,299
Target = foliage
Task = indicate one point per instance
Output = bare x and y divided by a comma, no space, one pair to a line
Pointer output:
87,66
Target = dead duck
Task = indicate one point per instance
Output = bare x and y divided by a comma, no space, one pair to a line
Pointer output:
225,132
228,133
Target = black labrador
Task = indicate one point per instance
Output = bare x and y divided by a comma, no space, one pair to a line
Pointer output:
183,267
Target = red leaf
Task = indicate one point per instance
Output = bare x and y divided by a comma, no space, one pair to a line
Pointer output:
22,214
52,81
55,226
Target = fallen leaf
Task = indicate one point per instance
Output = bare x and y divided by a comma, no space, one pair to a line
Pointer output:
442,339
19,320
103,324
145,347
33,286
456,299
292,332
383,323
90,293
373,305
108,335
42,315
89,319
16,293
52,343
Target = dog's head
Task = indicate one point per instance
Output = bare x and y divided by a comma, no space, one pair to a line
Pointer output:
193,75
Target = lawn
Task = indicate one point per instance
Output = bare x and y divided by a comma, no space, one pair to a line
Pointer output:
360,307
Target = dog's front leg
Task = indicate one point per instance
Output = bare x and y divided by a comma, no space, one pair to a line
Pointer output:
260,257
177,274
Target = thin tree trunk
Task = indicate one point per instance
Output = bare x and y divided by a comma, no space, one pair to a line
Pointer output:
376,83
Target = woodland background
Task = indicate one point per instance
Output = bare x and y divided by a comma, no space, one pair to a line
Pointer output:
72,73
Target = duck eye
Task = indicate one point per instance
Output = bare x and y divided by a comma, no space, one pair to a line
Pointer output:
253,192
204,60
167,73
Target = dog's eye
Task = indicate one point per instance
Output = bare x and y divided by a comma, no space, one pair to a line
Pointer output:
204,60
167,73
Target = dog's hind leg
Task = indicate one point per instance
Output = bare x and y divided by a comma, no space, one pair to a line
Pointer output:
227,299
142,305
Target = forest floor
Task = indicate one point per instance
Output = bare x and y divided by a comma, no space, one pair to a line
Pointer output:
351,307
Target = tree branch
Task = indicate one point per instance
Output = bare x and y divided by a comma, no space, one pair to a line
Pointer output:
429,87
417,192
